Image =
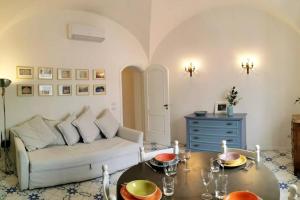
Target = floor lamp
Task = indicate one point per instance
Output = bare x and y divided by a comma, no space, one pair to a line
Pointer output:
5,143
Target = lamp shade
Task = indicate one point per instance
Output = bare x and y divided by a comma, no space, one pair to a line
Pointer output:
4,83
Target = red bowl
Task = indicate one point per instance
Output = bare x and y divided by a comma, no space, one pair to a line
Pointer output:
241,195
165,157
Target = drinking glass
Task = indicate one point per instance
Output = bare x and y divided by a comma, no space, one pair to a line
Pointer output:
206,176
221,186
214,165
168,185
170,170
187,156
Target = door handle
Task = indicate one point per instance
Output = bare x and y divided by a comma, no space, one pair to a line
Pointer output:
166,106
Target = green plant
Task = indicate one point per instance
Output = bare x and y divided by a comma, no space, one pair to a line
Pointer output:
233,96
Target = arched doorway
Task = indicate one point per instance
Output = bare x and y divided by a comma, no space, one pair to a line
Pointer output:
133,98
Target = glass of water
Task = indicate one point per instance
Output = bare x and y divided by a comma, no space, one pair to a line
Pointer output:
221,183
170,170
214,165
207,177
168,185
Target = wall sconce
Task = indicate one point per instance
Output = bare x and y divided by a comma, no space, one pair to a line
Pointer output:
247,65
190,69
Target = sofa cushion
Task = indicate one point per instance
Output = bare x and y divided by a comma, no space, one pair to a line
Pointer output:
108,124
35,133
52,125
86,126
69,131
60,157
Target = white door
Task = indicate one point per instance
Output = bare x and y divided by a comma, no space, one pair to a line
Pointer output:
157,105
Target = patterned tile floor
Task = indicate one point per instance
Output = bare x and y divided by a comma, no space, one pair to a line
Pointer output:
279,162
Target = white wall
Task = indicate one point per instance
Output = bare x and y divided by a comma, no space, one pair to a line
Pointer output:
39,39
216,38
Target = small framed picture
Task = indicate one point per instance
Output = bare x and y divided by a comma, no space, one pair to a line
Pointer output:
25,90
83,89
220,107
99,89
45,73
82,74
45,90
25,72
64,90
64,74
99,74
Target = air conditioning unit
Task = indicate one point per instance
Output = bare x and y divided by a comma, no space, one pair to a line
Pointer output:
85,33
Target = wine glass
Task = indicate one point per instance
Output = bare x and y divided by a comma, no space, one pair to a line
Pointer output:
207,177
187,156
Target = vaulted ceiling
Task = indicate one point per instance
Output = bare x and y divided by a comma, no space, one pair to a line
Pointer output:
151,20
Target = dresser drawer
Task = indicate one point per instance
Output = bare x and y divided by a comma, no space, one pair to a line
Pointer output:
214,131
213,123
201,146
215,139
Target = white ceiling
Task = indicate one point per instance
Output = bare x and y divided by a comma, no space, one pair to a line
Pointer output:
151,20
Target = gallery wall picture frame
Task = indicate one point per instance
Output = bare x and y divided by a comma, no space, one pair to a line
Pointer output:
82,74
99,89
45,90
25,72
221,107
99,74
64,74
25,90
82,89
64,90
45,73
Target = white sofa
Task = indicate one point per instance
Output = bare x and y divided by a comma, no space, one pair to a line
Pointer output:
65,164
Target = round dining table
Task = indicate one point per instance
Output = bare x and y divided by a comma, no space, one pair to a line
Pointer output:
188,185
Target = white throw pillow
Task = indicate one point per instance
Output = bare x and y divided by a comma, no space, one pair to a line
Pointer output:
69,131
108,124
52,125
86,126
35,133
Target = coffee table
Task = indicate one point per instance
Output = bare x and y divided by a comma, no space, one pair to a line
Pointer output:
188,186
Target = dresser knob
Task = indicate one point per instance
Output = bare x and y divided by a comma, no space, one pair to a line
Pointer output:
196,145
196,138
229,140
196,130
229,124
229,132
195,122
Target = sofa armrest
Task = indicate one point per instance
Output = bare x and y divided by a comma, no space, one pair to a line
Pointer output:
130,134
22,164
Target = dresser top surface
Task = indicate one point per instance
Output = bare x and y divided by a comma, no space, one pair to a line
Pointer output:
236,116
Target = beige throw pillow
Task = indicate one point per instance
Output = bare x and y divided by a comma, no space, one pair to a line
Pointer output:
52,125
86,126
35,133
108,124
69,131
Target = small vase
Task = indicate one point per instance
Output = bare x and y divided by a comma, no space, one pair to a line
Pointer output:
230,110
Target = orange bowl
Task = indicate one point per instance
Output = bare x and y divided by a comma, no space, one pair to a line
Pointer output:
241,195
165,157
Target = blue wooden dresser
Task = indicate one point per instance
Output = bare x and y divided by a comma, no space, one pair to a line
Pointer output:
205,133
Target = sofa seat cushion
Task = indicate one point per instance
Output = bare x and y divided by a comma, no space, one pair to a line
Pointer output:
60,157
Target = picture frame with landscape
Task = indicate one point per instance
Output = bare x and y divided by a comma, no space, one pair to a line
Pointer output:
83,90
82,74
45,90
64,90
99,89
25,90
25,72
221,107
45,73
99,74
64,74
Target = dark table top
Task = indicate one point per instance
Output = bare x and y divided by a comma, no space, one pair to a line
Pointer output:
188,186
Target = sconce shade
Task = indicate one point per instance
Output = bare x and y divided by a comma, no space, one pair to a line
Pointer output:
4,83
